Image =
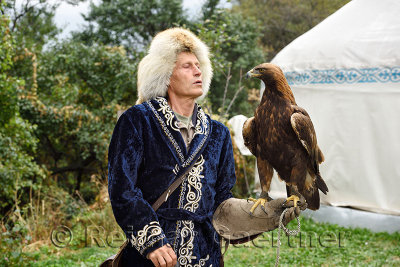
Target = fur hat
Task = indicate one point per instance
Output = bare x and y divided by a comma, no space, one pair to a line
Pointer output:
155,69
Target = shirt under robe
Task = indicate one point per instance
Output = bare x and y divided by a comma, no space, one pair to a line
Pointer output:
146,154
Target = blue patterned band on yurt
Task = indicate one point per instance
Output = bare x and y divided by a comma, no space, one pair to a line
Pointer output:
340,76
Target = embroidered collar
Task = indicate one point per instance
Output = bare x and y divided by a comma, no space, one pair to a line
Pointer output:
169,125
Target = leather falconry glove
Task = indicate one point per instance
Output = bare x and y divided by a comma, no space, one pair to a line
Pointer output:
232,219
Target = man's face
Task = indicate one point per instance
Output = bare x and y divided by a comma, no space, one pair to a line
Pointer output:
185,81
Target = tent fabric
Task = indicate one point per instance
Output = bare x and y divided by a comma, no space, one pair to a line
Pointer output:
346,73
363,35
236,124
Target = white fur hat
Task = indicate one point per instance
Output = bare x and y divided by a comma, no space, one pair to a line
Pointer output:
155,69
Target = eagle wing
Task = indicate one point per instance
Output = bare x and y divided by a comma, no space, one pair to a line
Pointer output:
304,129
249,133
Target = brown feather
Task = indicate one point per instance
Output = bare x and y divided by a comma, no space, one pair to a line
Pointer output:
265,172
249,135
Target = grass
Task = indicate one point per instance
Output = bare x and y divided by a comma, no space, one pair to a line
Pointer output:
320,244
89,256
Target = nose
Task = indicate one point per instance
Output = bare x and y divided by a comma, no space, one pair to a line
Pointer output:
197,71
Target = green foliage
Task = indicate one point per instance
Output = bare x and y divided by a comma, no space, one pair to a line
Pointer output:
19,173
209,8
71,95
29,227
32,24
71,73
8,84
18,170
130,23
32,27
78,92
281,21
11,249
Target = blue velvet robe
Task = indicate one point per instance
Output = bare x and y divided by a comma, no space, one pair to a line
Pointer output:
146,154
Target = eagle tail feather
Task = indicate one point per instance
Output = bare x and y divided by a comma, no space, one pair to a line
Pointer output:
321,185
312,195
312,199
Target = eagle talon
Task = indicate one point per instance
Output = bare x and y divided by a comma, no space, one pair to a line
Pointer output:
263,209
261,201
294,198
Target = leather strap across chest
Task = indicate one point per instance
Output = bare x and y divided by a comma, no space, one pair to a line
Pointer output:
164,197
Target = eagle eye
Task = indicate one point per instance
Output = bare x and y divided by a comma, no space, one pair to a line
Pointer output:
260,69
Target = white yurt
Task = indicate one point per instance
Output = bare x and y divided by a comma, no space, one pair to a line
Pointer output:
346,73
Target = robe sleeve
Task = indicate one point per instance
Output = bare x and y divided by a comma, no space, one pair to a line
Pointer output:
132,212
226,172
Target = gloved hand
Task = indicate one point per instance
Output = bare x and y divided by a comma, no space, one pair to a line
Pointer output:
233,221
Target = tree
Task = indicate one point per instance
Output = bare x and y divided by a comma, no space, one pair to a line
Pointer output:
70,96
94,76
130,23
18,170
32,24
281,21
68,101
31,27
79,91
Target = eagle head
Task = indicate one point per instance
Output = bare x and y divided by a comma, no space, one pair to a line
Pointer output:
265,72
273,78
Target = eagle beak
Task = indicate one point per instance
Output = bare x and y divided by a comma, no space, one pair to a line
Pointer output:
252,73
249,74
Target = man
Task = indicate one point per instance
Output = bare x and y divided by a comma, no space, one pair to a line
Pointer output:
154,142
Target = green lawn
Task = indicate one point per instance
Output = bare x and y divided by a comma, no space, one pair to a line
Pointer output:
319,245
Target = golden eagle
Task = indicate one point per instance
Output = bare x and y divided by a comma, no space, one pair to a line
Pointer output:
282,137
